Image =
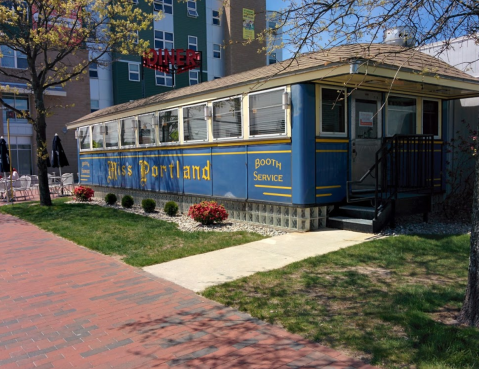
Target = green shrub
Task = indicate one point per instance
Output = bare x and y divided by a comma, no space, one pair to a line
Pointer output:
127,201
148,205
171,208
110,199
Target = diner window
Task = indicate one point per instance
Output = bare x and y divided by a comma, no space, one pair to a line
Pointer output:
217,51
111,134
401,115
216,18
168,122
266,114
195,125
12,58
84,137
134,72
93,68
146,129
227,122
333,112
164,40
165,6
194,77
192,10
97,136
430,117
19,102
193,43
128,128
163,79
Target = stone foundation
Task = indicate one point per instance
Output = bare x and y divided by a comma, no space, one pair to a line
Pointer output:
289,217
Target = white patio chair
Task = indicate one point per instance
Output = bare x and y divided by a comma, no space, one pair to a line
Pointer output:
53,184
20,188
34,183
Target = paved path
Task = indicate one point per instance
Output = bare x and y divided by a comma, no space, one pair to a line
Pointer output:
201,271
63,306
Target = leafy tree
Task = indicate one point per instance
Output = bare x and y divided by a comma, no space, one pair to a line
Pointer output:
54,38
310,25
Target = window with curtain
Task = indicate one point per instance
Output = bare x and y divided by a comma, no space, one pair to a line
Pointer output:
333,110
84,136
266,115
168,125
97,136
146,129
227,122
430,117
401,115
111,134
194,123
128,131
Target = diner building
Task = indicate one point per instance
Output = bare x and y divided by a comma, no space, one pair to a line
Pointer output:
348,137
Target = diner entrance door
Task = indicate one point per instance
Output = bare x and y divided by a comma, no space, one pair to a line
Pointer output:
366,136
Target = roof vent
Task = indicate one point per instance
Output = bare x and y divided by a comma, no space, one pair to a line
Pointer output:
400,36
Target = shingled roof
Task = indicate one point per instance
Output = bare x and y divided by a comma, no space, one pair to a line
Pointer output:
372,54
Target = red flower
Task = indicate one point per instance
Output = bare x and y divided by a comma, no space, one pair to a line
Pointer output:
208,212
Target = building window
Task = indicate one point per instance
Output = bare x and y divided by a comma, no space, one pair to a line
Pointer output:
272,58
165,6
19,102
216,51
93,70
401,115
194,123
94,105
430,118
84,137
128,127
146,129
266,114
12,58
227,122
168,121
111,134
163,79
164,40
192,9
193,43
194,77
333,111
134,72
97,136
216,18
21,154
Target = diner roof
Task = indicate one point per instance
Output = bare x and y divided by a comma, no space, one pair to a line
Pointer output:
372,66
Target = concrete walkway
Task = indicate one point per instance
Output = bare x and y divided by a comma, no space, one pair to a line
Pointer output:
64,306
201,271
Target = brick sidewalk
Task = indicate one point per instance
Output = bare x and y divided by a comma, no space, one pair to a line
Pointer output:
64,306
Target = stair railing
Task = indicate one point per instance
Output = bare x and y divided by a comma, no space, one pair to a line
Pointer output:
404,163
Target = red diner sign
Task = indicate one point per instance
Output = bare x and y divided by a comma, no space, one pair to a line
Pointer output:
165,60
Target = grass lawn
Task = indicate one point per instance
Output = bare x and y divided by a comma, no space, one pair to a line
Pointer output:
387,301
138,240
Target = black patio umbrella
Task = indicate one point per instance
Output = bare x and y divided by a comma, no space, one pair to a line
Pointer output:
59,158
4,156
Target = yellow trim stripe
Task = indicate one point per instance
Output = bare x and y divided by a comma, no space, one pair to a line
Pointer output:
186,146
324,195
324,187
276,194
182,155
322,151
331,140
280,187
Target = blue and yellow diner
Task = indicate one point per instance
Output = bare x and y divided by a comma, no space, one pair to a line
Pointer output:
287,144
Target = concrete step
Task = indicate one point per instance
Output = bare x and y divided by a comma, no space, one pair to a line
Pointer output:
351,224
354,211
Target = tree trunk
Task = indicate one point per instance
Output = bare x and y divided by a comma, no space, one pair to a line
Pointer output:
42,152
470,309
